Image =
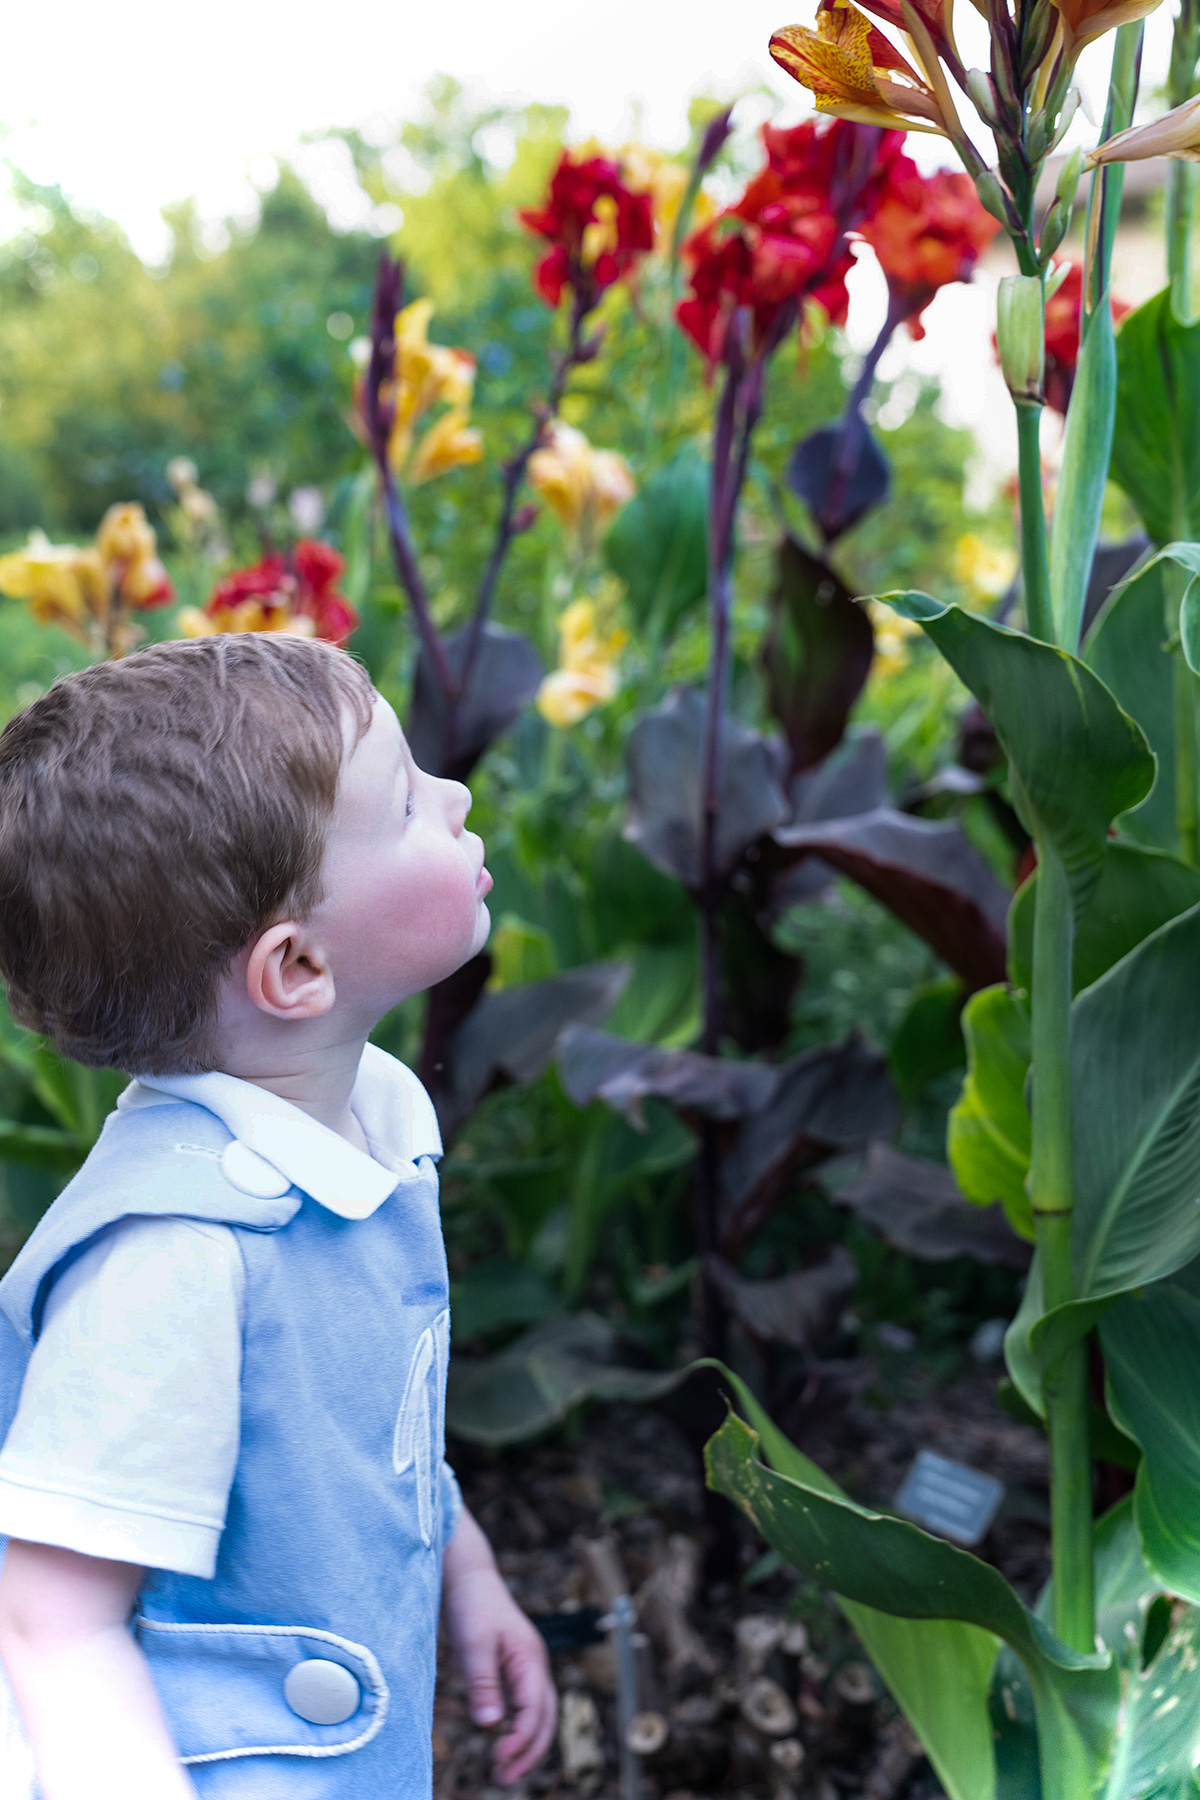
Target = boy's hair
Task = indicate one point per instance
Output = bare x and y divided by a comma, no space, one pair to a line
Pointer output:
156,814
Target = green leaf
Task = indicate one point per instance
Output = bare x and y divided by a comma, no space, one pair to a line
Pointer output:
928,1041
937,1671
887,1564
1189,624
988,1132
1156,444
1075,759
1127,649
1084,473
495,1292
1136,1080
658,544
1125,1592
40,1145
1139,890
1151,1345
1136,1063
533,1384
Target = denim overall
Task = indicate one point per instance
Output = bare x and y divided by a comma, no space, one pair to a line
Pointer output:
332,1546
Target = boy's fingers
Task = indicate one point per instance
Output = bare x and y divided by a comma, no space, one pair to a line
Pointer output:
536,1704
481,1668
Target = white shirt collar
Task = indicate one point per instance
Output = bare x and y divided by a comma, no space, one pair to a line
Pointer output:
390,1104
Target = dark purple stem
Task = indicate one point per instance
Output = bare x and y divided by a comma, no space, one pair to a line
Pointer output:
379,416
899,308
578,351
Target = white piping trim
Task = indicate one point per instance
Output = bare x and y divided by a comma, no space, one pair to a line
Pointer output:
379,1687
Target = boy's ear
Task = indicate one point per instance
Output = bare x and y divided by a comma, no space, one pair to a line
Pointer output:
286,975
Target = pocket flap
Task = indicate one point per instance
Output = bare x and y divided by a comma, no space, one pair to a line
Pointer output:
226,1689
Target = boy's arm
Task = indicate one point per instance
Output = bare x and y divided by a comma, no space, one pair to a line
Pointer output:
501,1654
91,1712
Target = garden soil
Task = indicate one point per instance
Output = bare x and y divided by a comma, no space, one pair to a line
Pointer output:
753,1686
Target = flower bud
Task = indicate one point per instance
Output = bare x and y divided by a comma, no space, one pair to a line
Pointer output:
1068,175
1054,227
1070,107
1020,335
992,197
711,144
983,96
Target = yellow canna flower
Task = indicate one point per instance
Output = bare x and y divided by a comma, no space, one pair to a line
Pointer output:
426,375
125,534
247,615
586,676
450,443
985,567
893,637
584,487
61,583
849,67
1176,134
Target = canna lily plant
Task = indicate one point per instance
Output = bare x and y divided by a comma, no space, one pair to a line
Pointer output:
1081,1106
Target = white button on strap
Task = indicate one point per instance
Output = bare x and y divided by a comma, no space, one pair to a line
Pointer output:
252,1174
324,1693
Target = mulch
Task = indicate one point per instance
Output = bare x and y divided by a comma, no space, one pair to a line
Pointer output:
750,1687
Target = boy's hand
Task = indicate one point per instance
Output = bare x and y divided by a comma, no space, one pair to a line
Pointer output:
502,1655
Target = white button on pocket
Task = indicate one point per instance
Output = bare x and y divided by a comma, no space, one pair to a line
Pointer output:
323,1693
252,1174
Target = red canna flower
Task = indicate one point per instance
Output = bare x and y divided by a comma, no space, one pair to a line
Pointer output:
1062,336
595,225
280,593
927,231
785,240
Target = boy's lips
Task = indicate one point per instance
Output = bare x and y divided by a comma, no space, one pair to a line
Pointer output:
483,883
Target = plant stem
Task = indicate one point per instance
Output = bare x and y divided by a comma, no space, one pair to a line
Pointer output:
1181,176
1035,565
513,476
1051,1188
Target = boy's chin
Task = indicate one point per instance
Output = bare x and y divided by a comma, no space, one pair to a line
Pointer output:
483,930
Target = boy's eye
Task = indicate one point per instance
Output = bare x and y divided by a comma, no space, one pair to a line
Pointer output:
410,804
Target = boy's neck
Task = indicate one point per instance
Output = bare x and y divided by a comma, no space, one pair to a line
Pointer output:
318,1079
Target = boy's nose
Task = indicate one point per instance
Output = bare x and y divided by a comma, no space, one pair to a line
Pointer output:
458,803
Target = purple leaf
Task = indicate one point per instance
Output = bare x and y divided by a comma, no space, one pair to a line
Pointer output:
665,755
512,1035
800,1309
593,1065
825,1102
839,472
916,1207
925,871
448,739
816,655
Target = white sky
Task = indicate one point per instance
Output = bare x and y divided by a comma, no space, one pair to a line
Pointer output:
138,103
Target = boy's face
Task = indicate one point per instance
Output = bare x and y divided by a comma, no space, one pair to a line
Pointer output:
403,880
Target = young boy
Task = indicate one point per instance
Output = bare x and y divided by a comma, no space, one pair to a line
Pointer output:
225,1345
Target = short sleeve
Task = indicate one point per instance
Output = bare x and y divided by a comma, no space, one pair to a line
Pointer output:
125,1440
452,1503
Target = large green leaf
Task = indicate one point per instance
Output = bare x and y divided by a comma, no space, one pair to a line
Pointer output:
938,1670
1156,445
1151,1352
1139,890
987,1135
1127,649
658,544
1136,1060
1075,759
1125,1591
884,1563
1136,1079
